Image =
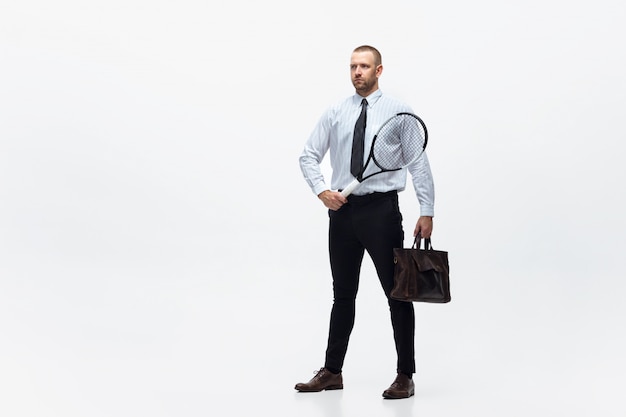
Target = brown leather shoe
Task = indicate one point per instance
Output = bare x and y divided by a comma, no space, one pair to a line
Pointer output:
402,387
323,379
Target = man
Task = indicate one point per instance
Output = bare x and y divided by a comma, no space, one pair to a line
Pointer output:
369,219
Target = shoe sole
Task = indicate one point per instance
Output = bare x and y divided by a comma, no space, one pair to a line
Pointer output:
397,397
328,388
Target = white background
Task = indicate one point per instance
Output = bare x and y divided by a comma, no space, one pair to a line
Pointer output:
161,255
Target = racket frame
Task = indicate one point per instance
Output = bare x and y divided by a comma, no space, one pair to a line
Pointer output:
355,183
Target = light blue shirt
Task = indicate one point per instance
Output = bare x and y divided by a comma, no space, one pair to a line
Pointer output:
334,132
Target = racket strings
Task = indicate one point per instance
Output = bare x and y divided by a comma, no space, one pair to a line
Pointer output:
400,141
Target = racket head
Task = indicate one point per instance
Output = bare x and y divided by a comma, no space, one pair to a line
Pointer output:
399,142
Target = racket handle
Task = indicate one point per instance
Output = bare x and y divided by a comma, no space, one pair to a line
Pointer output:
348,190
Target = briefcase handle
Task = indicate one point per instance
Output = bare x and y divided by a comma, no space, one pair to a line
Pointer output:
417,243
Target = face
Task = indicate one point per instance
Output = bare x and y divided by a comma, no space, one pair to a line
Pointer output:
364,72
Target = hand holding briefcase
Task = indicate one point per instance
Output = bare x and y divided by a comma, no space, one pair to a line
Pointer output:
421,274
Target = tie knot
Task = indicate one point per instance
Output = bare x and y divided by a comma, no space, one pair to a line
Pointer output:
364,102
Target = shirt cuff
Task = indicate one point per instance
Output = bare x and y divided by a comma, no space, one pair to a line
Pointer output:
319,188
427,211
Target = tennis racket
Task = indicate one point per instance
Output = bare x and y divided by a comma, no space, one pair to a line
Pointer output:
397,144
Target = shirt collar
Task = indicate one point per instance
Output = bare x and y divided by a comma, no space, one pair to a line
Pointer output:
371,99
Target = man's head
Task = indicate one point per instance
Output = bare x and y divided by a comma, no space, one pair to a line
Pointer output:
365,67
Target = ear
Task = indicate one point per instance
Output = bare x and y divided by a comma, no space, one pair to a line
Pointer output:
379,70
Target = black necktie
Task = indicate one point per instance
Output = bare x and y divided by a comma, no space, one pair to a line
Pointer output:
358,142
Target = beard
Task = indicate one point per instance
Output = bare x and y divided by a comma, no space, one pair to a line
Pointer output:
362,84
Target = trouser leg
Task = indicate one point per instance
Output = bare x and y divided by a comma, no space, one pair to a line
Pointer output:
346,256
379,238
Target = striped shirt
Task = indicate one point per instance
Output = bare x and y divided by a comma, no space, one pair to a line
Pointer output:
334,132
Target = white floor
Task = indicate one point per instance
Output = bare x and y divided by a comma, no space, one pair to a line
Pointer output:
151,342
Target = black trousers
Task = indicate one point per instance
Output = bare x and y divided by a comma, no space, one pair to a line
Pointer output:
374,223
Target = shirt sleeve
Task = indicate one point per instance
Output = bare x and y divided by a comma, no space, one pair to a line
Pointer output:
423,184
313,153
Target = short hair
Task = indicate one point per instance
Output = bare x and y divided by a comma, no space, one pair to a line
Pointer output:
378,59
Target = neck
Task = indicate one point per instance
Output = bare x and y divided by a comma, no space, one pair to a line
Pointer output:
364,94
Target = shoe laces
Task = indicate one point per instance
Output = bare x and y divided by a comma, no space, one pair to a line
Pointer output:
319,373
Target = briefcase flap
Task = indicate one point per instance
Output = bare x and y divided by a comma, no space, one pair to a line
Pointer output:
428,260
